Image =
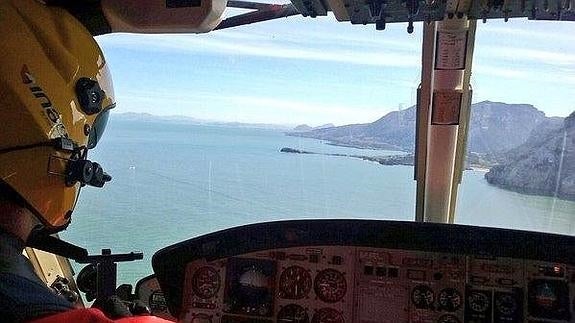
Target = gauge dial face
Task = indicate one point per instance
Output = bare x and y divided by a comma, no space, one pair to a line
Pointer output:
506,304
478,302
293,314
206,282
330,285
448,319
422,296
546,296
549,299
327,315
449,299
295,283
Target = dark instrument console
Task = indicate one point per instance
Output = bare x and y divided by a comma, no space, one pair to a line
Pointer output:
338,271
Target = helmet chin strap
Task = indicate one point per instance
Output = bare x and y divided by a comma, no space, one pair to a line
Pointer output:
79,168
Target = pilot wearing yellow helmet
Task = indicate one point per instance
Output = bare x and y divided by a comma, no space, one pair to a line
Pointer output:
55,97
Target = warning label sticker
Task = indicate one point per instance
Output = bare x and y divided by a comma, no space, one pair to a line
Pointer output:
446,106
450,50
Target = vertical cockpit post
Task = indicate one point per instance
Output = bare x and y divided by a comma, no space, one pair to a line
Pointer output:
444,97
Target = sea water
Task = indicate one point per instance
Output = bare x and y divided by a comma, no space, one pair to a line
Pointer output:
174,181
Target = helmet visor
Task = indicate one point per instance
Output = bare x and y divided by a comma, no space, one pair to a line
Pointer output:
98,128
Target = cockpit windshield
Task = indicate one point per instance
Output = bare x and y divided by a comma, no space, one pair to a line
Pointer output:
303,118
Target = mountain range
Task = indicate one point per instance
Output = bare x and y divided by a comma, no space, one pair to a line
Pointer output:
495,127
305,127
179,119
519,144
543,165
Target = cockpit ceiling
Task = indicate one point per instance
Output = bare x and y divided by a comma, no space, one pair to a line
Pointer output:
386,11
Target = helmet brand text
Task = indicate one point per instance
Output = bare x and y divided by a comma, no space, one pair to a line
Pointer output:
49,110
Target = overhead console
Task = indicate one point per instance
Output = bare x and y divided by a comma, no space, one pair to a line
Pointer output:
339,271
381,12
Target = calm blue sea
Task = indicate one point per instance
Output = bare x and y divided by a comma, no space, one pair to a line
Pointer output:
177,181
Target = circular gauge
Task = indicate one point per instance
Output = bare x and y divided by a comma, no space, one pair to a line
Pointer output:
506,304
545,296
330,285
478,301
206,282
549,299
422,296
448,319
327,315
449,299
293,314
295,283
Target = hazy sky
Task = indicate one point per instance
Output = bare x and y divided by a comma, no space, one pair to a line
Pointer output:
302,70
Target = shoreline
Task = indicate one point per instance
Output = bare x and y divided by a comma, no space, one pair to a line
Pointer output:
522,191
365,146
391,160
477,168
408,160
385,160
334,143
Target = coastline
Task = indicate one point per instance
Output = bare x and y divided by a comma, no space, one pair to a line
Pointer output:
478,168
406,159
538,193
359,145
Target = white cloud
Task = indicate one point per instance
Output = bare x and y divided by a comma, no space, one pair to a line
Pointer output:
256,45
246,108
498,71
276,109
518,54
525,52
530,31
341,37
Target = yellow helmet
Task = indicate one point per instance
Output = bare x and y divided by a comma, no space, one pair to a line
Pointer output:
55,97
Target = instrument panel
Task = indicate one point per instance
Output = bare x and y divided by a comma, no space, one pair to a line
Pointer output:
364,284
353,284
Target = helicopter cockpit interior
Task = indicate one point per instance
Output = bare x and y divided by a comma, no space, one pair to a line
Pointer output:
363,271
